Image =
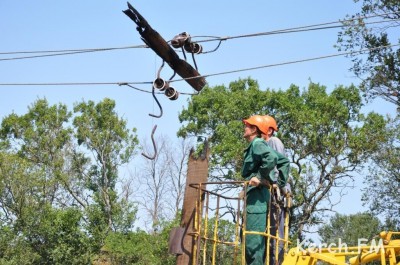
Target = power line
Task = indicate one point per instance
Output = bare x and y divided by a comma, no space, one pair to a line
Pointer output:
79,50
205,76
73,83
296,61
129,84
320,26
294,30
64,52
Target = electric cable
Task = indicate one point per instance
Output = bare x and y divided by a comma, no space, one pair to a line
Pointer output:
74,84
78,50
65,52
290,62
319,26
205,76
291,30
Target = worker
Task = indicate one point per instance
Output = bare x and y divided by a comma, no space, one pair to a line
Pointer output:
277,214
259,160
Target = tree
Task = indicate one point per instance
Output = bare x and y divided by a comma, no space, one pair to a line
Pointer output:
383,179
350,228
380,73
139,247
351,231
40,139
162,180
178,156
153,181
380,69
104,134
31,226
326,136
35,205
56,200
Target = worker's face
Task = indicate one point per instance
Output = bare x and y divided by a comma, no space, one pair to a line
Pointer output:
250,132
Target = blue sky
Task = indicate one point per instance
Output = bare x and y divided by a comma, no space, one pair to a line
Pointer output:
60,25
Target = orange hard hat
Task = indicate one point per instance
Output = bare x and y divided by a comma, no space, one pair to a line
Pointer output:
257,120
270,122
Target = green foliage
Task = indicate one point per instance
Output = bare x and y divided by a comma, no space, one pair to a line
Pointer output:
380,70
102,132
39,133
131,248
351,231
383,179
47,236
140,247
326,137
15,250
17,194
58,236
40,138
350,228
224,253
56,202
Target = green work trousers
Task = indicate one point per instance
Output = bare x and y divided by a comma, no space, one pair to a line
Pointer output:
256,220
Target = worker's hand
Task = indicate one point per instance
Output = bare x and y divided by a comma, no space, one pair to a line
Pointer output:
254,182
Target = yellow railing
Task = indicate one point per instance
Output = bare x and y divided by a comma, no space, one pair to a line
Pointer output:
207,242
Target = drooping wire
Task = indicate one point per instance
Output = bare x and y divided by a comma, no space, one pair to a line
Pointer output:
172,76
184,53
159,69
215,49
154,145
158,103
194,61
154,96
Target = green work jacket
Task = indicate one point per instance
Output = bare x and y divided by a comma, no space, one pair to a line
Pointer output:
259,161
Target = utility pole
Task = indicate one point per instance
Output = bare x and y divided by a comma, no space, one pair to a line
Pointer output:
197,173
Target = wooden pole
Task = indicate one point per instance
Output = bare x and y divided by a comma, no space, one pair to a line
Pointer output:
197,173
